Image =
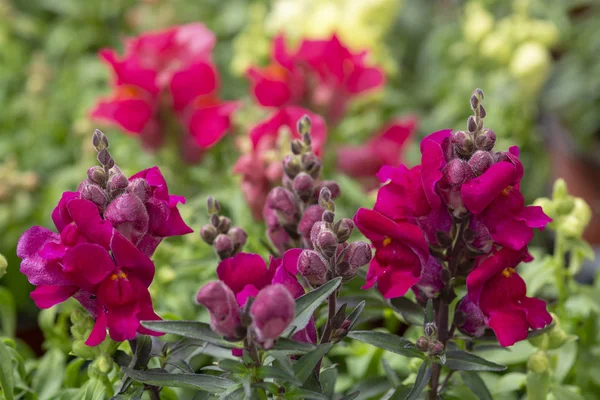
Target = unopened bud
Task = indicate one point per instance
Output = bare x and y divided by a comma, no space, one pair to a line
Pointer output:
436,348
117,183
220,301
304,125
311,215
313,267
430,329
80,349
303,185
311,164
94,194
358,254
538,362
469,318
238,237
99,140
478,93
224,224
455,173
474,102
129,216
481,161
343,229
140,188
96,174
486,140
212,205
333,187
105,158
104,364
272,312
328,217
223,246
463,143
282,200
482,112
326,242
422,343
3,266
297,147
208,233
472,124
325,199
291,166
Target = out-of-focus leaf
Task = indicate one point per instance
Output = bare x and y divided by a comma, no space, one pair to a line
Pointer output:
305,365
421,381
476,384
190,329
567,354
7,380
410,311
8,316
387,341
562,392
49,375
429,314
461,360
277,373
208,383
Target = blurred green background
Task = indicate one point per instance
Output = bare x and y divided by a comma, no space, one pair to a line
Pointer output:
537,61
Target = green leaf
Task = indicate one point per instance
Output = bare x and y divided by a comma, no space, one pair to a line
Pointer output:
8,316
301,394
476,384
328,378
305,365
461,360
277,373
48,377
192,330
390,373
387,341
400,393
232,366
94,389
410,311
142,346
268,386
353,316
421,380
429,314
308,303
208,383
561,392
291,347
7,380
73,373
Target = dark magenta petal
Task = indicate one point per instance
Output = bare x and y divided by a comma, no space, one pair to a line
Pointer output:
510,326
210,124
489,267
284,277
395,282
199,79
131,114
123,322
480,192
60,215
40,271
48,296
88,264
247,291
129,258
537,314
534,217
432,162
244,269
90,223
99,331
290,260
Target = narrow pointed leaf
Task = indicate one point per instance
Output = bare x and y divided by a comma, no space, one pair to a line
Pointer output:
353,317
461,360
410,311
278,374
387,341
308,303
208,383
476,384
429,314
232,366
291,347
421,381
7,379
306,394
192,330
305,365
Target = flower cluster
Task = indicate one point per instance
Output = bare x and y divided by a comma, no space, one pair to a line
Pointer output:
107,230
227,240
460,213
167,76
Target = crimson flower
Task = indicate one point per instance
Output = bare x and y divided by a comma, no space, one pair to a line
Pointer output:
500,293
168,72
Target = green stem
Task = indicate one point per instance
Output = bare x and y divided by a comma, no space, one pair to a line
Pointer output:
560,270
332,305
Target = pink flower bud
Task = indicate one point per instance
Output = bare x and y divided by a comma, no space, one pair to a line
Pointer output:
291,166
128,215
223,246
343,229
358,254
326,242
334,189
455,174
208,233
303,185
272,311
463,143
486,140
311,164
117,183
282,200
238,237
95,194
469,318
220,301
311,215
158,211
140,188
481,161
96,174
313,267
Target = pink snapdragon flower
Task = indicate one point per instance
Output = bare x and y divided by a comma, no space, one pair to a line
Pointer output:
500,293
89,258
261,168
167,72
321,75
385,148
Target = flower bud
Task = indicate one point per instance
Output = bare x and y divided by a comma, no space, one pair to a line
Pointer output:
343,229
436,348
474,102
104,364
212,205
223,246
538,362
282,200
482,112
95,194
480,162
224,224
105,158
291,166
463,143
220,301
96,174
3,266
99,140
333,187
472,124
303,186
304,125
455,173
80,349
140,189
238,237
486,140
328,216
272,311
311,164
313,267
422,343
469,318
430,329
117,183
311,215
208,233
358,254
326,242
128,215
158,212
297,147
